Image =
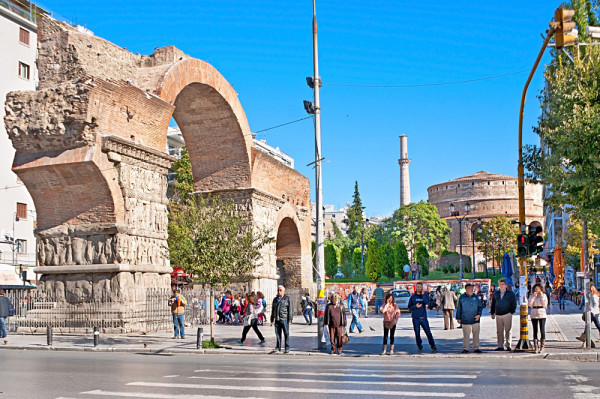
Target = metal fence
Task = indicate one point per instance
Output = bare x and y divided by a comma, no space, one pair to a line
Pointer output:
36,310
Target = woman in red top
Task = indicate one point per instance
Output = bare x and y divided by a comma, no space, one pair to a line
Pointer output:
391,314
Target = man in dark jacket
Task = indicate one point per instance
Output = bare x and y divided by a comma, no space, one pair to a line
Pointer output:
5,306
504,304
282,315
468,313
417,304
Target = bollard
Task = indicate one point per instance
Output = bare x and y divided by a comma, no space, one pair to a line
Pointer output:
199,338
49,336
96,336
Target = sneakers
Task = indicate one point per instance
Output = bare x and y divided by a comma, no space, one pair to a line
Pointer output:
477,351
498,349
287,351
420,350
360,331
262,342
239,341
508,348
434,350
465,351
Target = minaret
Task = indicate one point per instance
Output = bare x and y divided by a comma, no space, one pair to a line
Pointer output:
404,177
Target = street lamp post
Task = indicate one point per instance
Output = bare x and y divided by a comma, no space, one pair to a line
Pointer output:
362,249
485,239
456,214
477,226
494,253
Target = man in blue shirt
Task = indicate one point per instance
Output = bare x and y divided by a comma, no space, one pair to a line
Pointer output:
418,307
468,314
355,308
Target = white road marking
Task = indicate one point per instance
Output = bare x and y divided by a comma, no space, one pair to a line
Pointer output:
399,376
329,391
171,376
160,395
397,383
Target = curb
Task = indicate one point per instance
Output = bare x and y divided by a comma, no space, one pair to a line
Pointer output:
577,357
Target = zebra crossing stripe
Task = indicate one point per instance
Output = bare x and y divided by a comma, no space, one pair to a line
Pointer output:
405,377
353,392
151,395
396,383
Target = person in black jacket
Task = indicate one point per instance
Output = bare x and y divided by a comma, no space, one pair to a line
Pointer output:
281,316
417,304
504,304
5,307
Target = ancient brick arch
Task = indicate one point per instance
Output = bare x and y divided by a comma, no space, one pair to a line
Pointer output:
213,124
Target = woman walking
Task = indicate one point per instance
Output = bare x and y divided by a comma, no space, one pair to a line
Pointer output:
335,319
364,299
251,320
538,302
438,299
391,314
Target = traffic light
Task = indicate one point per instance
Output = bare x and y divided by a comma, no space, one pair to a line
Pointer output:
522,245
564,26
536,242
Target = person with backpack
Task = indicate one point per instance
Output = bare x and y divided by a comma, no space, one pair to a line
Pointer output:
355,306
307,308
6,308
263,307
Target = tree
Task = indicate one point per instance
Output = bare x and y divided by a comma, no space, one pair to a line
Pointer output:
354,214
574,239
420,224
499,234
387,261
373,263
184,181
331,260
400,257
356,260
346,264
212,240
423,259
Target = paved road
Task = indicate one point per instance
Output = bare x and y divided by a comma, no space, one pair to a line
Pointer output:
99,375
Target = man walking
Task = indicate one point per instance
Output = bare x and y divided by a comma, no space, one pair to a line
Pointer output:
448,306
5,306
379,293
468,314
307,308
504,304
281,316
406,270
417,305
178,303
355,308
562,295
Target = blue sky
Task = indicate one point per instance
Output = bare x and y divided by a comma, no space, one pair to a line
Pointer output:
264,49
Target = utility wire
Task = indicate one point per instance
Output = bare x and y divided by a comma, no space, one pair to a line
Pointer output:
429,84
283,124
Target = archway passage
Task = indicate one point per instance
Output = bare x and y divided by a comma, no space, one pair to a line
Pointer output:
289,254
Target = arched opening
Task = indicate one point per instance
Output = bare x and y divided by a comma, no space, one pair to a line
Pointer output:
289,254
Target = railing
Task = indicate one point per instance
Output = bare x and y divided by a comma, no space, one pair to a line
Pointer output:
36,310
29,12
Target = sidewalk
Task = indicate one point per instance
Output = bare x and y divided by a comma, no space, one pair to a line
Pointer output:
561,330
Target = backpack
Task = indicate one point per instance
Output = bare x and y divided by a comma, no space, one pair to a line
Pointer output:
11,309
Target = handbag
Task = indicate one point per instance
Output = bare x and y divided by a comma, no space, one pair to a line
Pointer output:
345,339
11,310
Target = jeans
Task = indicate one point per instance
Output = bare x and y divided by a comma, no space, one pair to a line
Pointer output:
417,324
561,302
582,303
254,326
308,315
2,327
282,326
178,325
594,320
355,321
378,304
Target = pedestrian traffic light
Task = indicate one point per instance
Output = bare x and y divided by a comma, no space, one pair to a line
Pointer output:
522,245
564,26
309,107
536,242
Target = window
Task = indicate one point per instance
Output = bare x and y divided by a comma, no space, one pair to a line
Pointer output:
24,36
24,70
21,246
21,211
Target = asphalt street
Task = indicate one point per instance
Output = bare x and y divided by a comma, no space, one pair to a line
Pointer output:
121,375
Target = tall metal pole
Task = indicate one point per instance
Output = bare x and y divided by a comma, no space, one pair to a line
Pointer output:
362,252
460,261
486,257
320,255
473,258
586,288
524,343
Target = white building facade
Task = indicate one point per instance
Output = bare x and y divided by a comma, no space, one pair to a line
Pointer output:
18,48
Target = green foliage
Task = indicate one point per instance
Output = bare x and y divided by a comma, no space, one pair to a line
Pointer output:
346,263
373,263
569,131
331,260
400,257
355,214
387,261
356,260
184,181
423,259
574,239
420,224
499,235
211,344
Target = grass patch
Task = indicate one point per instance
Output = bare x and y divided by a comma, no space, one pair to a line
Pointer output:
210,345
433,275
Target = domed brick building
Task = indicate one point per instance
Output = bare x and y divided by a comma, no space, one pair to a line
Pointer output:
489,195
